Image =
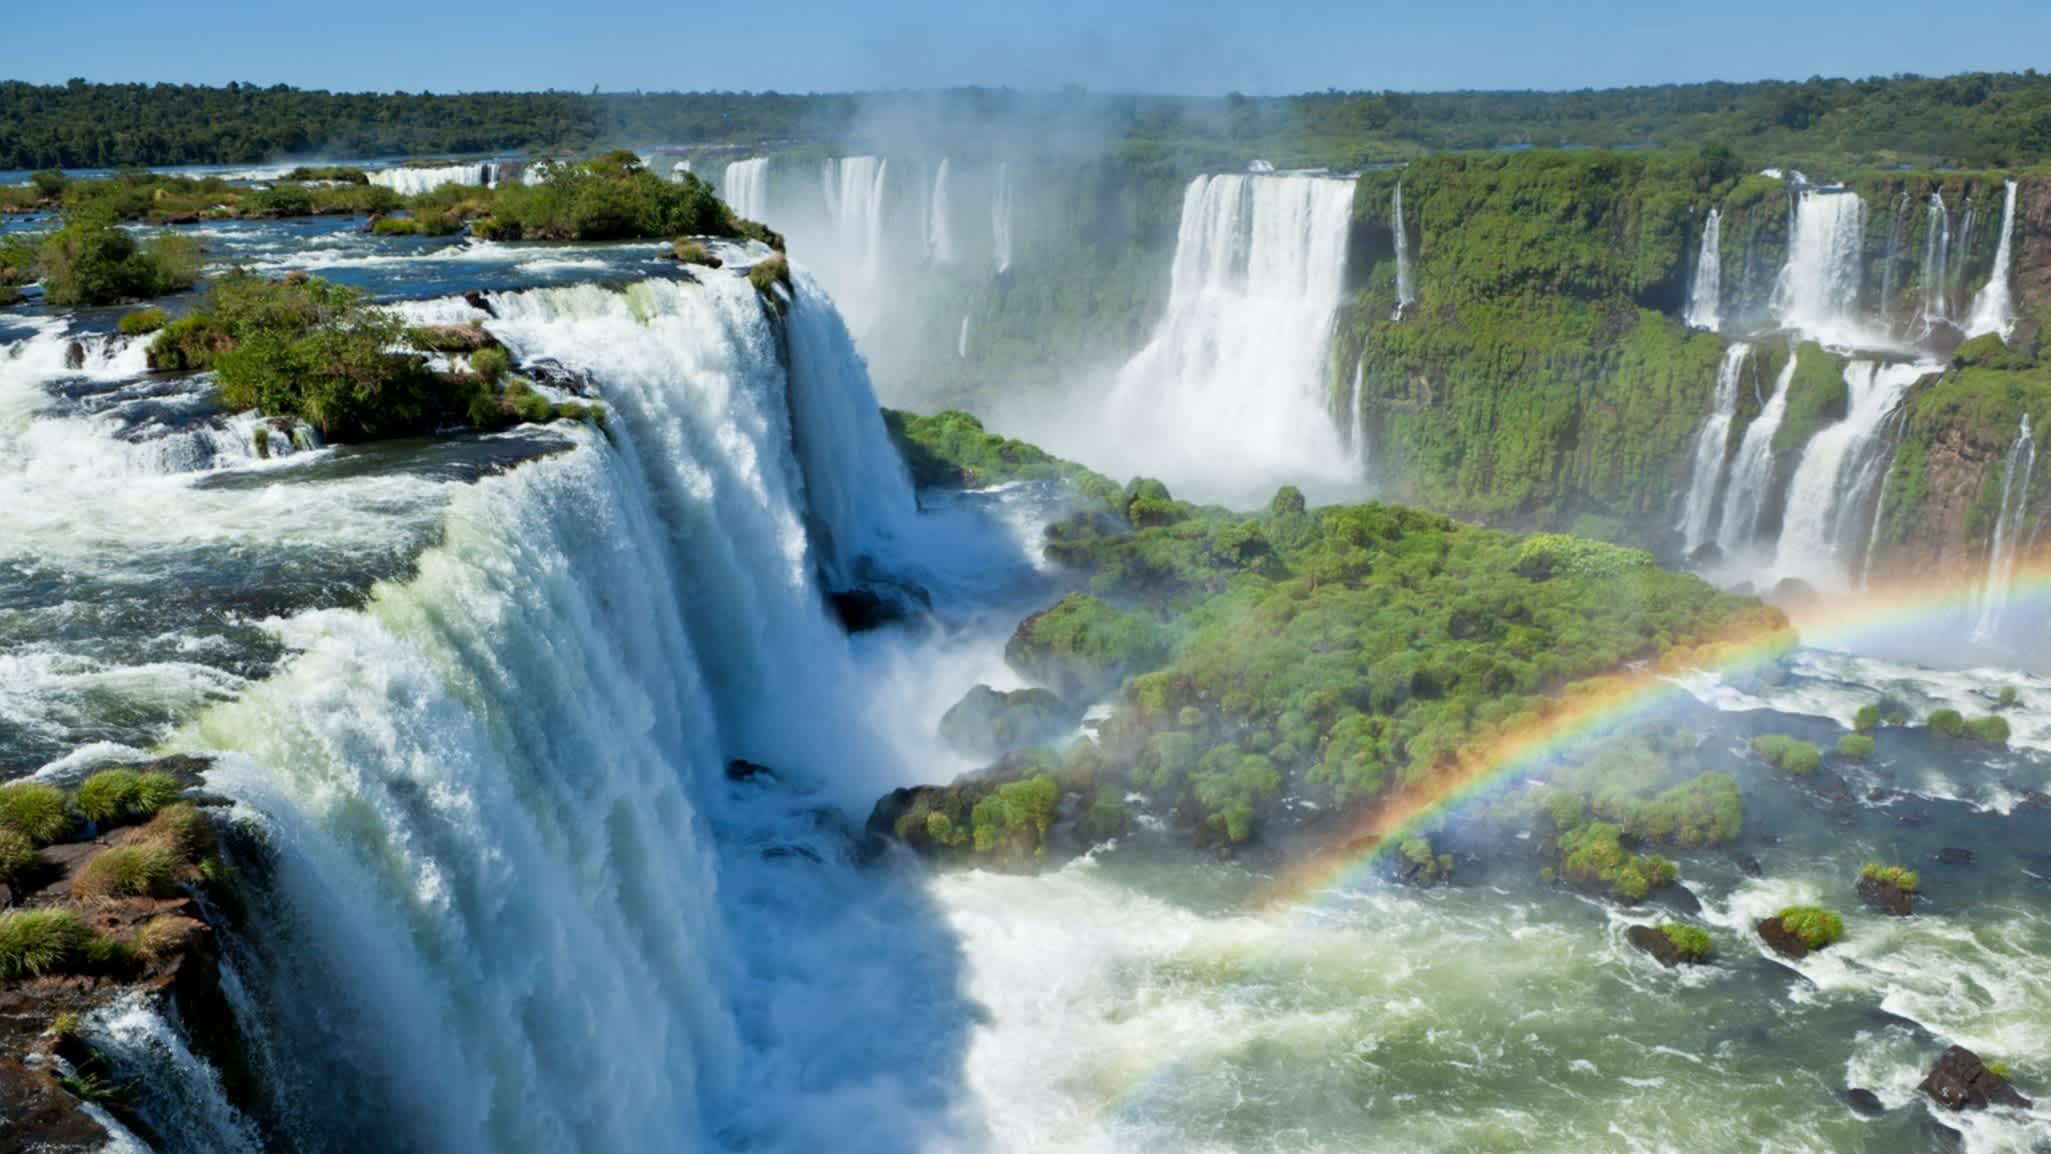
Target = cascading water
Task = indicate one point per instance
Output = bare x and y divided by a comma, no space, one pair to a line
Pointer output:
493,792
1935,275
1830,499
939,225
1994,307
1751,470
2015,499
1711,447
1817,294
1406,291
745,187
1001,219
961,342
416,181
1230,395
1896,225
1706,291
855,202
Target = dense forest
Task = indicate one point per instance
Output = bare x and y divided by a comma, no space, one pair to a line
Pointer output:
1978,119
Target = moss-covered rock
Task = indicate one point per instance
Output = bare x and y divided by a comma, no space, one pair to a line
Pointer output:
988,723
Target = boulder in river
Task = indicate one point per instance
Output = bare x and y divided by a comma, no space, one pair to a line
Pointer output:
1961,1081
989,723
1864,1103
1953,856
1888,889
1671,945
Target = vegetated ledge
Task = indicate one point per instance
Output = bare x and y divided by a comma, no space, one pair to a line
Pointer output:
1273,678
302,348
113,889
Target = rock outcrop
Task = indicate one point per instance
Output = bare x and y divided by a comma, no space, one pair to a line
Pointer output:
1960,1081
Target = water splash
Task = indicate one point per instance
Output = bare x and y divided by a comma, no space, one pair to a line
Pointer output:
1000,219
1752,469
939,225
1831,494
1406,291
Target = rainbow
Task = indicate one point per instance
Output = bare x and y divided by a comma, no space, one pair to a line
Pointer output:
1604,704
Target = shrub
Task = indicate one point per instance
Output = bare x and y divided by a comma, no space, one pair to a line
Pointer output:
694,252
766,274
1991,730
340,173
1868,718
1856,746
139,869
2007,698
143,321
34,942
35,810
124,795
49,183
1948,722
187,831
1904,879
1015,819
1595,858
1816,927
1794,755
1692,942
17,854
491,364
91,262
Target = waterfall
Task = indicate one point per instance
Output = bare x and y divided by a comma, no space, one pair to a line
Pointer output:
1000,219
961,342
855,202
1231,394
1895,224
1406,292
1751,475
415,181
496,793
1994,307
1961,254
1705,293
1818,291
745,188
1830,498
1711,448
1936,308
2015,499
939,229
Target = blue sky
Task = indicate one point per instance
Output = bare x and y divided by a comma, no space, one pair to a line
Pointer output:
1201,46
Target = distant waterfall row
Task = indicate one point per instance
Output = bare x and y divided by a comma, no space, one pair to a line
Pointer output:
1826,287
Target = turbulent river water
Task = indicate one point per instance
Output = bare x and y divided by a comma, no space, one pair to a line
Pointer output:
480,695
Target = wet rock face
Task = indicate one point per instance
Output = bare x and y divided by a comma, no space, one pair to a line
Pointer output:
1886,896
36,1113
1960,1081
1783,940
1864,1103
1652,941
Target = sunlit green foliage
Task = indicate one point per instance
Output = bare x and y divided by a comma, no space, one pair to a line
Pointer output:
91,262
39,941
1015,819
120,795
1691,942
1792,754
36,810
1816,927
1907,880
1856,746
1593,856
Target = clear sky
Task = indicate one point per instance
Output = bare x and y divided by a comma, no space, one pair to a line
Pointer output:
1199,46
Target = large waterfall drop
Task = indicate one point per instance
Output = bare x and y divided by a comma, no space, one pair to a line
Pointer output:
1706,290
1831,496
1751,470
1406,290
1230,396
1896,227
1001,219
1356,421
1994,307
939,225
855,202
1705,479
1817,294
2015,500
745,187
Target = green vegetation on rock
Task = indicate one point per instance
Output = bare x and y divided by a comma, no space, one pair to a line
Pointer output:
1792,754
1856,746
1815,927
1690,942
90,261
1906,880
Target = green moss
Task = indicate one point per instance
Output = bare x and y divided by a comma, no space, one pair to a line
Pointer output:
143,321
1593,857
1856,746
1991,730
1084,646
1422,865
1796,756
1014,820
1817,397
1816,927
491,364
768,273
1692,942
1867,719
1907,880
